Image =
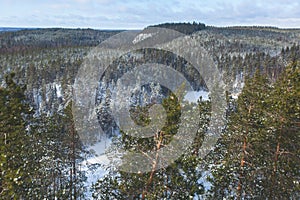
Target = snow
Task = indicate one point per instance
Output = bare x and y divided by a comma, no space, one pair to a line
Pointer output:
238,85
141,37
95,166
58,90
38,100
235,95
193,96
203,180
100,149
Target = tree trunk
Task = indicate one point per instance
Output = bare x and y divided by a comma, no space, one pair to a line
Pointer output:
240,187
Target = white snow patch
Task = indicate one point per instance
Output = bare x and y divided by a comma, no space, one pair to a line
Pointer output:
203,180
238,83
100,149
235,95
193,96
38,100
142,36
58,90
100,162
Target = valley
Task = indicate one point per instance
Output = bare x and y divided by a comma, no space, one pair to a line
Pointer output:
259,141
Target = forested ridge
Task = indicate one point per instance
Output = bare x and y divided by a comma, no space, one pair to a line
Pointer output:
38,39
257,156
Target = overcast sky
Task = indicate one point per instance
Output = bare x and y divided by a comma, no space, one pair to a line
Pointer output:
137,14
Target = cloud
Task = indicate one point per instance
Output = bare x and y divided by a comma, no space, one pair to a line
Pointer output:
93,1
82,1
140,13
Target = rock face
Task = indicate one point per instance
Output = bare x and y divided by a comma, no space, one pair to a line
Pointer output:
47,60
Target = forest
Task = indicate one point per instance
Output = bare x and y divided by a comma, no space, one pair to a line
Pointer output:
42,155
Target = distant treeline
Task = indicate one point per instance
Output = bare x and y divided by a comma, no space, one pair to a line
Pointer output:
186,28
37,39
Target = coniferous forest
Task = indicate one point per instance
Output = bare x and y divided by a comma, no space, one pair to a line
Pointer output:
257,156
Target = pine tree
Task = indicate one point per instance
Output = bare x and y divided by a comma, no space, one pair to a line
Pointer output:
283,125
177,181
60,155
17,163
259,150
233,174
76,151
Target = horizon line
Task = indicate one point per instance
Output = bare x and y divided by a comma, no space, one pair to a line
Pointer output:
141,28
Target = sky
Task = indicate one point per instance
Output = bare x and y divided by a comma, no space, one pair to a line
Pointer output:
138,14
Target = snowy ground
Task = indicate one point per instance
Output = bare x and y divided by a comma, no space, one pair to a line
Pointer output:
193,96
95,167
